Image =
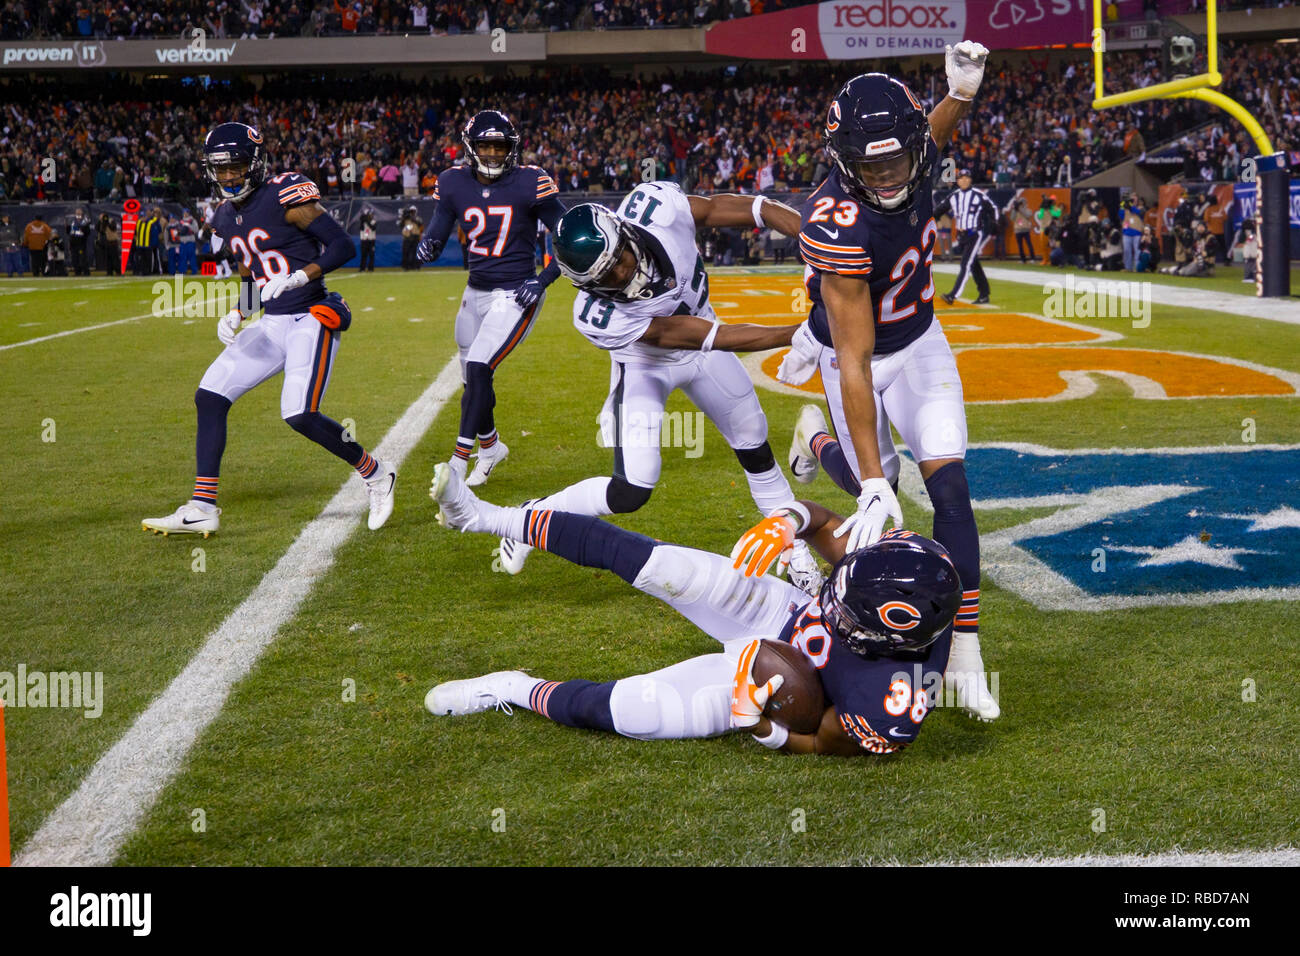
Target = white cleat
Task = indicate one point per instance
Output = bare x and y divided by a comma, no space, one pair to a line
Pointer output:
965,675
485,462
511,553
803,570
456,698
458,508
381,489
803,463
189,518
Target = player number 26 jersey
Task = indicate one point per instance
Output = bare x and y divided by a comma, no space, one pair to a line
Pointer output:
660,213
267,245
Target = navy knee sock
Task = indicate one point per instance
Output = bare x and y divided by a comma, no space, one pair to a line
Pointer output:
209,443
575,703
586,540
954,528
476,403
830,454
327,433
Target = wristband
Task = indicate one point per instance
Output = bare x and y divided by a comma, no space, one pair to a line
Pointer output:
249,296
757,212
713,334
776,738
797,511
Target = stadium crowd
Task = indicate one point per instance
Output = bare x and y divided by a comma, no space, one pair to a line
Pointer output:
33,19
719,130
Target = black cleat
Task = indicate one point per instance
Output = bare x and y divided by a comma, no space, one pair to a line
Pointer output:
947,298
982,300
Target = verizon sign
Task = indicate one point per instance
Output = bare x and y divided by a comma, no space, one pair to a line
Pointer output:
866,28
194,53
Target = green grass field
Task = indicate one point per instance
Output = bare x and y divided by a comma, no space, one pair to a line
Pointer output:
1137,712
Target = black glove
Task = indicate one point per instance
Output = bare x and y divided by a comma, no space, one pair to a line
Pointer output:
428,250
528,293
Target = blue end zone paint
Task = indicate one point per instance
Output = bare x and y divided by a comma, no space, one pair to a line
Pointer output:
1203,538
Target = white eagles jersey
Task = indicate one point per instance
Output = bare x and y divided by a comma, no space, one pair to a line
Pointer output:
661,215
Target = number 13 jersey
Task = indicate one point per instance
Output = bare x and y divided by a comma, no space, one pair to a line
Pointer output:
892,253
660,213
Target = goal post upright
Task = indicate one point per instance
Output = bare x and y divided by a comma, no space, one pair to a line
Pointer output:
1269,171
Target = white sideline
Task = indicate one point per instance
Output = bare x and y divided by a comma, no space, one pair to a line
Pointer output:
91,826
1275,310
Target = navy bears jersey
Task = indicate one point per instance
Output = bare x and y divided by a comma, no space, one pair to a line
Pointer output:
880,701
500,221
891,253
266,245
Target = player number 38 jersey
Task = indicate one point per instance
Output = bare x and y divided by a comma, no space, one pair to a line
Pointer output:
892,253
880,702
661,215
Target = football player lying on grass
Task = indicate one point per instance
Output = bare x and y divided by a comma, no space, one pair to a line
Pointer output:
883,615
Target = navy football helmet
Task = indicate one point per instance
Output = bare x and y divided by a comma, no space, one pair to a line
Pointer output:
491,126
895,595
234,144
879,138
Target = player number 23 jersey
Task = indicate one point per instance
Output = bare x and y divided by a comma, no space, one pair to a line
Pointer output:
892,253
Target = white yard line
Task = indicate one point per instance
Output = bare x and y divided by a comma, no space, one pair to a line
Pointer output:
1276,310
84,328
92,825
1284,856
180,309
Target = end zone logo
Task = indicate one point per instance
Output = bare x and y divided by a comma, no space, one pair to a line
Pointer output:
893,13
1142,527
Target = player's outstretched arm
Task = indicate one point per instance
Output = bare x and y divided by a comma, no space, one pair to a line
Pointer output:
830,739
760,546
851,316
312,219
693,332
964,64
730,211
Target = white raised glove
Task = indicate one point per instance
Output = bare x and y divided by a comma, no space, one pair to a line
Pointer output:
228,325
965,66
802,359
876,503
281,284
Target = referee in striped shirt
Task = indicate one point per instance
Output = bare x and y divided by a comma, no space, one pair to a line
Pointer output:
973,221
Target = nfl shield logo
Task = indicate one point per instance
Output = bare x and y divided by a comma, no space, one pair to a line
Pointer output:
486,194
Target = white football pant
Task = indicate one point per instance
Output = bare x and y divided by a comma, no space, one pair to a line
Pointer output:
693,698
918,390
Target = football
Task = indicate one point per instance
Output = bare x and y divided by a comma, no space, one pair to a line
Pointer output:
800,702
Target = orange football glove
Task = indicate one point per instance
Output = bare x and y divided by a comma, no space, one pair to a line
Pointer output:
747,699
762,544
